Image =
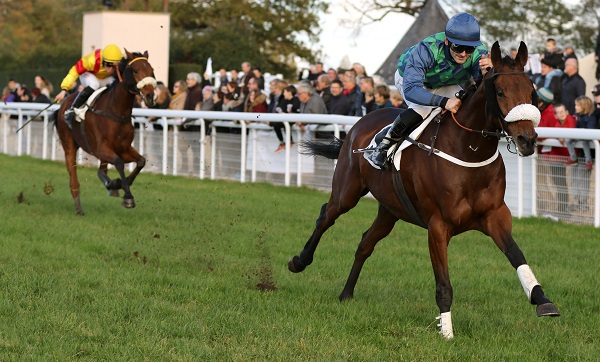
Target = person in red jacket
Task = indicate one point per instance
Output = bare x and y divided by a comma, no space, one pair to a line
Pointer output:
94,70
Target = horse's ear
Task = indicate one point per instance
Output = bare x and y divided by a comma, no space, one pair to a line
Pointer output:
496,55
128,54
146,54
522,54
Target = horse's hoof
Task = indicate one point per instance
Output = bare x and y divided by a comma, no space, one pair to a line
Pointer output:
295,265
113,193
345,297
547,310
79,213
128,203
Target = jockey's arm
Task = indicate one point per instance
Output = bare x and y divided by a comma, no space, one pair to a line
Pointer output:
89,63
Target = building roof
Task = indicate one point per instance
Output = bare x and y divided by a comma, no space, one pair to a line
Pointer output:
432,19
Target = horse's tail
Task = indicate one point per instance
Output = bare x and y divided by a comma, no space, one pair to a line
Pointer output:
54,118
328,149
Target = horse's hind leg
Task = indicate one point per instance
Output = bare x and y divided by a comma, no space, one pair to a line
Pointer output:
70,148
381,227
438,239
329,213
498,226
113,186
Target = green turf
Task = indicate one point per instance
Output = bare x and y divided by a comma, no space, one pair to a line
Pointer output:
198,272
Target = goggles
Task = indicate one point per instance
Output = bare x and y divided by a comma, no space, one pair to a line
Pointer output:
596,93
462,48
108,64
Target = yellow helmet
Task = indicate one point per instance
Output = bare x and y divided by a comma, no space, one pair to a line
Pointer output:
111,54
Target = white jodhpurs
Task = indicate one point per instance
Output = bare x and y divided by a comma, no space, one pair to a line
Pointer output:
448,91
88,79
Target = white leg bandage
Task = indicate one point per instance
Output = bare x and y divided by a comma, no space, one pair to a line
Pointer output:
527,279
446,325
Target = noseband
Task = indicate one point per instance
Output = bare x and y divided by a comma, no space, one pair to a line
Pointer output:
132,87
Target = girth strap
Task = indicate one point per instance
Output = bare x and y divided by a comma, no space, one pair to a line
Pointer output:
405,201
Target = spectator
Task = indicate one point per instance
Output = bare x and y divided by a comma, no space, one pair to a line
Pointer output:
194,88
218,101
369,104
397,99
544,167
339,103
332,74
248,74
584,110
207,100
237,98
513,53
565,120
227,102
323,84
310,102
314,71
596,94
382,97
259,77
550,77
353,93
257,102
554,55
569,52
253,84
573,85
13,85
277,104
7,95
223,76
38,97
597,51
235,77
23,94
291,102
359,70
163,100
43,85
366,84
180,92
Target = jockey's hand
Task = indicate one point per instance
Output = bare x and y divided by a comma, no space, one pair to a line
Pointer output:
484,63
60,96
453,104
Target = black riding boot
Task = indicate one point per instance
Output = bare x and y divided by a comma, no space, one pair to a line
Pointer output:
78,102
405,122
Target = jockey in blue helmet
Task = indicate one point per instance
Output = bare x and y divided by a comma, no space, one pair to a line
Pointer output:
429,74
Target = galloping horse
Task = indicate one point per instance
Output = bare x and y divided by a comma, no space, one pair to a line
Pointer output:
447,196
107,130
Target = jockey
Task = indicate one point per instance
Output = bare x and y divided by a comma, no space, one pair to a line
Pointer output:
429,74
93,70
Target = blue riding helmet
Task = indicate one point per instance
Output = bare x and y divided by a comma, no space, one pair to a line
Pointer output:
463,29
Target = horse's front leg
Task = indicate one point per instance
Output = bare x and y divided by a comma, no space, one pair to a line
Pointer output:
128,200
113,186
499,227
381,227
438,238
132,155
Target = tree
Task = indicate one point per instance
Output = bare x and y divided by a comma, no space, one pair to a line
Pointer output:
505,20
267,33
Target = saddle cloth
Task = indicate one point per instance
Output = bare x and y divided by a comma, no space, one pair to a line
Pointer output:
81,111
414,135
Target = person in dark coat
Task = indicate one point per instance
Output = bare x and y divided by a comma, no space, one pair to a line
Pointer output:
338,102
573,86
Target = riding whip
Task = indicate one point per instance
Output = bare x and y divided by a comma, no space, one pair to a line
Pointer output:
32,118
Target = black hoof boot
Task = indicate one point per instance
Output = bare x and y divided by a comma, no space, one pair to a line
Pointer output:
295,265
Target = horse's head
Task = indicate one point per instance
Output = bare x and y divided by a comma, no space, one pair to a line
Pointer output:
511,98
138,74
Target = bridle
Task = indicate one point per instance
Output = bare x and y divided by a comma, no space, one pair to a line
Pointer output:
493,108
132,87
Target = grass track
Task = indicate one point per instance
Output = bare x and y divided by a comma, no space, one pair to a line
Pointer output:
175,279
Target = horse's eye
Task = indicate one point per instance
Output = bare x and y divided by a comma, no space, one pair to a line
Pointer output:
500,93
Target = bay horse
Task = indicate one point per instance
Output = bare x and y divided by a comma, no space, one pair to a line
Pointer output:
446,198
107,130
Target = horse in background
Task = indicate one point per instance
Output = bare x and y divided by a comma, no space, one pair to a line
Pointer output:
454,184
107,130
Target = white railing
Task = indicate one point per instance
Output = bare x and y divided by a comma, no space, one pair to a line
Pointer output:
247,155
